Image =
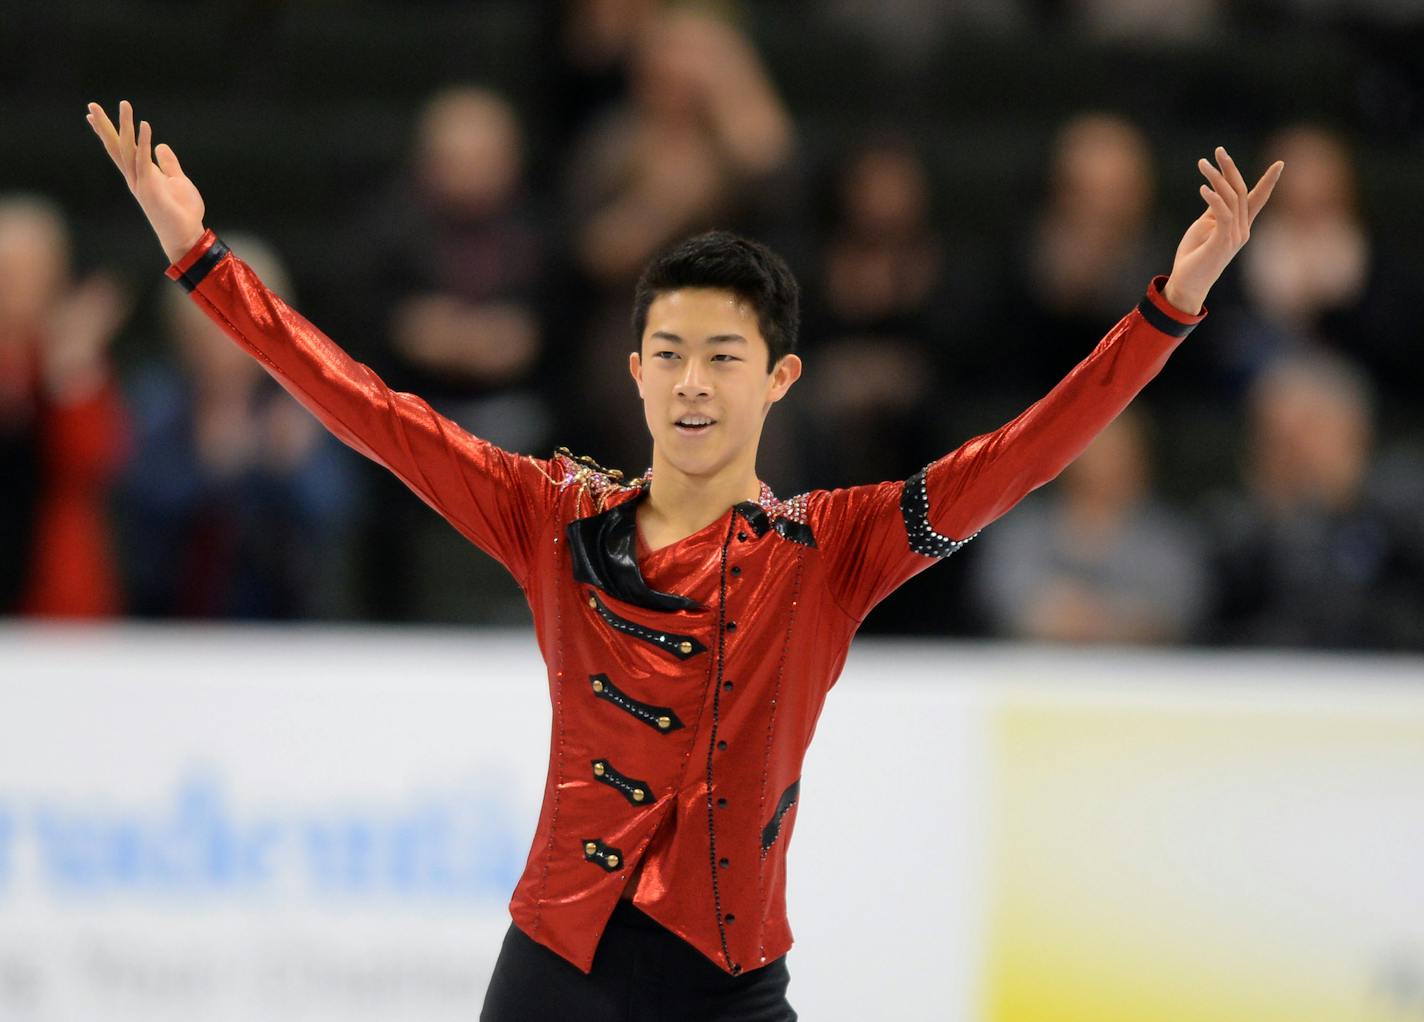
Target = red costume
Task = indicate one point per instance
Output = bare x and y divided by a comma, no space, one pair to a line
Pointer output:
685,682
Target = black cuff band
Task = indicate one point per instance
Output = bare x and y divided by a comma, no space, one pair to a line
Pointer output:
1162,321
200,269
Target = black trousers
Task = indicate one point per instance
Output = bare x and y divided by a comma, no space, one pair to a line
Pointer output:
642,972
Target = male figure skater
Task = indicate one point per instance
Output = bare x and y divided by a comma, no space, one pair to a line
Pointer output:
692,622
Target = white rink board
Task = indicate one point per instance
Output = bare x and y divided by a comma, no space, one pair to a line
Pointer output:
238,823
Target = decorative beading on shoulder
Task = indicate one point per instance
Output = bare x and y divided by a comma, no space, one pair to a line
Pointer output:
595,480
915,507
793,509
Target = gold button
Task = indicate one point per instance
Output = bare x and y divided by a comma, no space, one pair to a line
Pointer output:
590,848
685,646
664,722
613,860
597,685
592,602
598,769
638,794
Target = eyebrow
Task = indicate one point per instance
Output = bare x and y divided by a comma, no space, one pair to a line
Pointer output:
714,339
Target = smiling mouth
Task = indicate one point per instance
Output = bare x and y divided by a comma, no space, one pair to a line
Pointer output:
694,424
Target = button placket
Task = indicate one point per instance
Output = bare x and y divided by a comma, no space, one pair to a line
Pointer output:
723,917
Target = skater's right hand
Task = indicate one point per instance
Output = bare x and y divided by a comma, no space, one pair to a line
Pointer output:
169,200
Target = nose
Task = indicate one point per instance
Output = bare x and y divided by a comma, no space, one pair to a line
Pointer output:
693,382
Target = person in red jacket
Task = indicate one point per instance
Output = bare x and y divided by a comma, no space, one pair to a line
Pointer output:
63,422
692,622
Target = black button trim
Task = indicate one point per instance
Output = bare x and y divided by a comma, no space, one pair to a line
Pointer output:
770,832
651,715
915,509
680,646
194,275
596,851
629,786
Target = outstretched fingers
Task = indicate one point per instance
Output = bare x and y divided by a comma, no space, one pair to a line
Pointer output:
1233,175
108,135
143,159
1257,199
1218,205
126,140
1221,190
167,159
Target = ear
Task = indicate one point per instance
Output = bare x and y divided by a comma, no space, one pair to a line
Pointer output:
635,369
786,372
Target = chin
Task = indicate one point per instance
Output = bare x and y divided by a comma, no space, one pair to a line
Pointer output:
694,463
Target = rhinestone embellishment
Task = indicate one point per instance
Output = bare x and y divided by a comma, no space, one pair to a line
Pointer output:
915,507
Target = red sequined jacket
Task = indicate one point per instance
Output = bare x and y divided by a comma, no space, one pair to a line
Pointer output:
685,682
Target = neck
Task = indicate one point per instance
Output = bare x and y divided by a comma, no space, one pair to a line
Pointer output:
678,498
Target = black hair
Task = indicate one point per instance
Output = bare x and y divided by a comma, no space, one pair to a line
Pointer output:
722,259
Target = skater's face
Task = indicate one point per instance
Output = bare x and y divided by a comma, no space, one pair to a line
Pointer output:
703,357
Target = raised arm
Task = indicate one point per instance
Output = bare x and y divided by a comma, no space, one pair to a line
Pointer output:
878,536
497,499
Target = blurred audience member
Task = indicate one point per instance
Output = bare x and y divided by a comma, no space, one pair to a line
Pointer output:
1094,557
703,128
62,425
1314,268
1091,251
1324,548
875,320
1312,254
1175,20
703,142
589,46
909,31
235,500
874,313
453,260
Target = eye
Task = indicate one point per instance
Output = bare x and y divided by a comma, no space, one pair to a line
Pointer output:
730,358
660,354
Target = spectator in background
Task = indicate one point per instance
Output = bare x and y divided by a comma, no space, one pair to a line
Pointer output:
1138,20
703,141
703,129
1318,272
1089,249
909,31
62,425
878,309
876,325
1323,548
1094,557
235,501
452,263
589,46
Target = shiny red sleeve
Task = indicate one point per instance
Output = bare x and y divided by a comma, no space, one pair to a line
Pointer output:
875,537
496,498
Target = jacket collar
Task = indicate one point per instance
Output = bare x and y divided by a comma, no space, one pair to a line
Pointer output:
603,546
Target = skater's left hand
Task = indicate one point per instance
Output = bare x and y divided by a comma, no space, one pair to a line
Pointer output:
1220,232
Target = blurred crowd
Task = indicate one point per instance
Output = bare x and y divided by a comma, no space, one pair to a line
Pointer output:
1266,489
